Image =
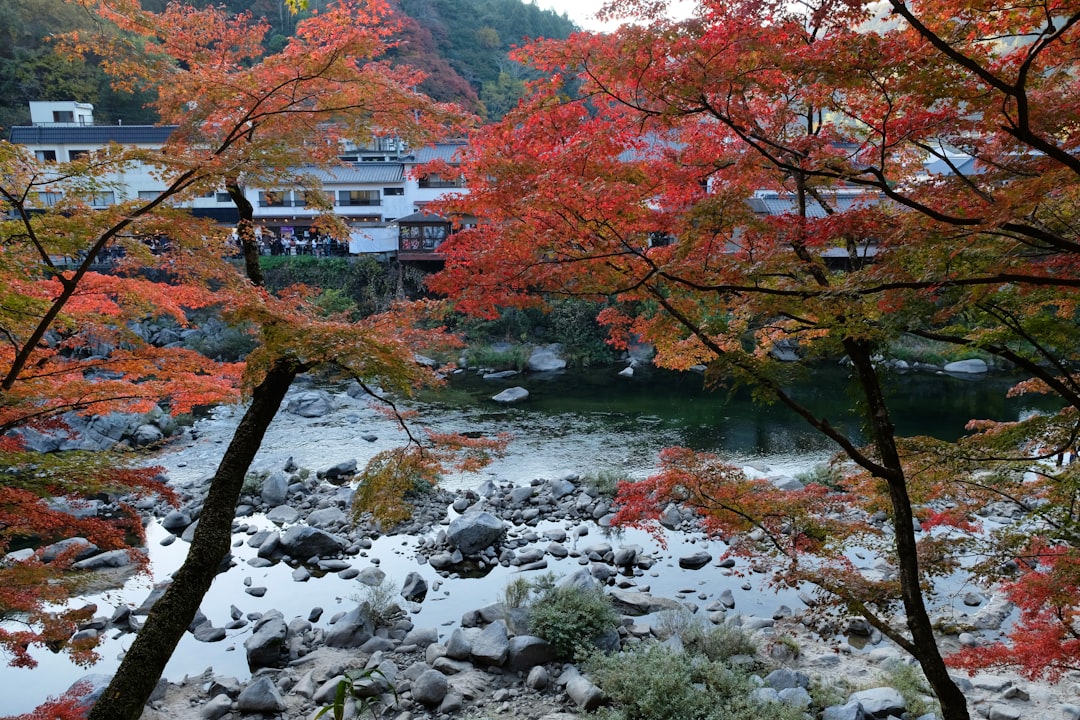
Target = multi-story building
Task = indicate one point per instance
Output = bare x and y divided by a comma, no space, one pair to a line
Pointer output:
376,189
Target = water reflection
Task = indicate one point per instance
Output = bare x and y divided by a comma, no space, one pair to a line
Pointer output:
582,422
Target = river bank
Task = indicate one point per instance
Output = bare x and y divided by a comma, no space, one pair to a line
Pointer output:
554,441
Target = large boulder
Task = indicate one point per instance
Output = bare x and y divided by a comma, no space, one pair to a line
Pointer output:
261,696
880,702
511,395
492,645
352,629
275,488
546,359
430,688
472,532
267,641
971,366
303,542
310,403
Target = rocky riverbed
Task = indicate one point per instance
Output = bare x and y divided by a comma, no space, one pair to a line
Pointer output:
484,663
286,621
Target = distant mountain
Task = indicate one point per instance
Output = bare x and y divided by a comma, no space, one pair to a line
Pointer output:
461,44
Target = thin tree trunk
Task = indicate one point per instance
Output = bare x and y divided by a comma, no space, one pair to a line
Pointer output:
245,233
145,662
953,702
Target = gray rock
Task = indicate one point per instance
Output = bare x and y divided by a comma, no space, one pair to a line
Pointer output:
538,678
266,644
421,637
695,561
581,690
783,678
1003,712
342,469
303,542
430,688
371,576
852,710
208,633
216,707
641,603
492,645
275,488
528,651
511,395
261,696
310,403
475,530
459,644
80,547
727,599
352,630
415,587
283,515
329,517
176,520
879,702
324,694
146,434
546,359
972,366
796,697
108,559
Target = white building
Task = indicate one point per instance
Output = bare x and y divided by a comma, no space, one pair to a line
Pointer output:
374,187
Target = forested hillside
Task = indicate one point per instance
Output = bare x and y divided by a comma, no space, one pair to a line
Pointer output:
461,44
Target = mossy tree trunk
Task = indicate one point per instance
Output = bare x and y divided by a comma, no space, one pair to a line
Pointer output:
145,662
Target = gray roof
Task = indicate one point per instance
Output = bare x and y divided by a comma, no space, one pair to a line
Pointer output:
90,134
442,151
359,173
776,204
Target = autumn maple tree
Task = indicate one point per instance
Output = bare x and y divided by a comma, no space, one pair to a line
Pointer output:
240,116
703,172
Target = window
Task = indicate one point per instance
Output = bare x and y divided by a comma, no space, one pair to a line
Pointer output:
45,155
222,197
78,154
149,194
63,116
393,191
272,198
48,198
434,181
352,198
103,199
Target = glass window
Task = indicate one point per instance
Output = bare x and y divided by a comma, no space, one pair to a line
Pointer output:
45,155
347,198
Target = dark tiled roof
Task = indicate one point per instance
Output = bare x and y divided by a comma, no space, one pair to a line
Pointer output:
442,151
90,134
361,172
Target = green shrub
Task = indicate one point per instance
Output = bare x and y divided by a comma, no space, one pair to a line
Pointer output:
719,642
380,602
571,618
516,593
487,356
655,682
603,483
910,682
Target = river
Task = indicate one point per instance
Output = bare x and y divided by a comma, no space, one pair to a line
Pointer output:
577,422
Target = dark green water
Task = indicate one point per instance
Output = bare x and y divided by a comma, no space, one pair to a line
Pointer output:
677,408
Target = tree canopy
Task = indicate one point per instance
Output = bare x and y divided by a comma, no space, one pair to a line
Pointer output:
71,340
708,173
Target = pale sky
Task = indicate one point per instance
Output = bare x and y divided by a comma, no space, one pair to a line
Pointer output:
583,12
580,11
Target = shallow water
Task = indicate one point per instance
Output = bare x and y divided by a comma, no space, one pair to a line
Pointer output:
581,423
